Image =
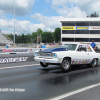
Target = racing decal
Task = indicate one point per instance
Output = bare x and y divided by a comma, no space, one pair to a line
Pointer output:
73,61
81,61
82,28
76,62
68,28
88,61
85,62
8,60
89,49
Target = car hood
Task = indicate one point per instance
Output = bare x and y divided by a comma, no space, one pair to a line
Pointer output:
50,50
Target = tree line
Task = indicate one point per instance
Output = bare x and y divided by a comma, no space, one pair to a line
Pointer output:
38,37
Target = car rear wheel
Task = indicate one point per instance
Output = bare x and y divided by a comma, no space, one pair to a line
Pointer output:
43,64
94,63
66,63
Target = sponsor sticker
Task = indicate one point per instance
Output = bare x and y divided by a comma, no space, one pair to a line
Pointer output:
68,28
79,62
15,50
82,28
95,28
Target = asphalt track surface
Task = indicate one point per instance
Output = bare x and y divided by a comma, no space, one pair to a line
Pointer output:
48,83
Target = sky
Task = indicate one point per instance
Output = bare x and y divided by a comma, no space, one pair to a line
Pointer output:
45,14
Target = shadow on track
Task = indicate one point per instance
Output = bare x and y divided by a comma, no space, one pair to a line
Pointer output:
57,69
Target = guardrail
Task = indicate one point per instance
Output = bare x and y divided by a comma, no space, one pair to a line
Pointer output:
16,58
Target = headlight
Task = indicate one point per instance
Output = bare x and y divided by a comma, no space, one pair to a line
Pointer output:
55,55
36,53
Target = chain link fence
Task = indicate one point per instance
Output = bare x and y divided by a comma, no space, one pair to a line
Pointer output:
35,45
30,45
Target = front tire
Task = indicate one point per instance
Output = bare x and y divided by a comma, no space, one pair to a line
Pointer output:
94,63
43,64
66,63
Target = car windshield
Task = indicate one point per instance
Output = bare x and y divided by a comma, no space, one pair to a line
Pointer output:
68,46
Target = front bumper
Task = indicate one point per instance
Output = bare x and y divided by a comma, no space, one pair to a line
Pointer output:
48,59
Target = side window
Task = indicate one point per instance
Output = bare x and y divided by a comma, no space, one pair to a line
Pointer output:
82,48
88,49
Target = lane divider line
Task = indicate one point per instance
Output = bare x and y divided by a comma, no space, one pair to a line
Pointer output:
19,66
75,92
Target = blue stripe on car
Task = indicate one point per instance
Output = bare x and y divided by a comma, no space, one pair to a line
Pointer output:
54,49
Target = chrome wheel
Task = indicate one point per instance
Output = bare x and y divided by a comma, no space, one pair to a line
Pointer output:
65,65
94,62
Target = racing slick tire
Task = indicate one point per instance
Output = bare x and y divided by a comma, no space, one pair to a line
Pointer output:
65,65
94,63
43,64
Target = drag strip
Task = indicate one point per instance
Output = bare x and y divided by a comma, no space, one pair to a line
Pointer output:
28,80
75,92
19,66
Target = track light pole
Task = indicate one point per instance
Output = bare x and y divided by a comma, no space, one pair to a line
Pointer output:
14,21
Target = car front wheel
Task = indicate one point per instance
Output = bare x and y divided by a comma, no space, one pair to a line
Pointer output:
43,64
66,63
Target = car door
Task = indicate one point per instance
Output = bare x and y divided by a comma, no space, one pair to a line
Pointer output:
91,53
81,56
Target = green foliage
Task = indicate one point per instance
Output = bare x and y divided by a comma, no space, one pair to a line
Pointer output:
10,35
34,37
57,34
94,15
46,37
49,37
39,32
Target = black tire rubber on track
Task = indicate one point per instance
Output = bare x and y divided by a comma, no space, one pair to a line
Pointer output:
65,65
94,63
43,64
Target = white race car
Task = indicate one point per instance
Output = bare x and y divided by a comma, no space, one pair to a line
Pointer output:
67,55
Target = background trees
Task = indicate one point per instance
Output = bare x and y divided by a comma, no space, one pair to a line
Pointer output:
57,34
47,37
94,15
44,37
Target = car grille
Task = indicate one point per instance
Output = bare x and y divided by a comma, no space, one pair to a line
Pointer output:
45,54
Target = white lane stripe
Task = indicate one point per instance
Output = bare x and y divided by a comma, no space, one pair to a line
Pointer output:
19,66
75,92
